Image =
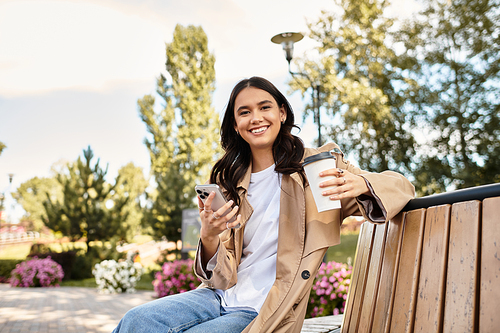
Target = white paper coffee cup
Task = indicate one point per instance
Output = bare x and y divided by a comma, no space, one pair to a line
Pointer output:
313,165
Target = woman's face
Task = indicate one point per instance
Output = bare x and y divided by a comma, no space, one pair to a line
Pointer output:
258,118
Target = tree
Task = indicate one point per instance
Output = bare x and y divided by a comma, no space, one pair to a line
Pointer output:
455,46
86,209
2,147
32,193
130,186
362,90
183,141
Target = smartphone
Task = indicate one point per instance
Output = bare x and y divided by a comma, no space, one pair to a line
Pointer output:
203,191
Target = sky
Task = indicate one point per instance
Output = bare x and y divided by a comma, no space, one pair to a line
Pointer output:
71,71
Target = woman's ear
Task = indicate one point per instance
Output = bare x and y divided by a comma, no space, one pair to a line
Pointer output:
282,114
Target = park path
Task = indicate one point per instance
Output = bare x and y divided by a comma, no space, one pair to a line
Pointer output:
64,309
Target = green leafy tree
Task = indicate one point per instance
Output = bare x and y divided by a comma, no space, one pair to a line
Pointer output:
183,140
2,147
130,186
361,88
31,195
455,49
86,209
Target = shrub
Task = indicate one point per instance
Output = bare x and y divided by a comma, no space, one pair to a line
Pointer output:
6,267
82,268
175,277
117,277
329,290
65,259
37,273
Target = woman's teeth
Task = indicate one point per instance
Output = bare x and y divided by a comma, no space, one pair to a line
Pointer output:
259,130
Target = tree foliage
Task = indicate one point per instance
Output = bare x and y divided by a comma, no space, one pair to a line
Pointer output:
455,46
362,89
130,187
2,147
86,209
32,193
183,140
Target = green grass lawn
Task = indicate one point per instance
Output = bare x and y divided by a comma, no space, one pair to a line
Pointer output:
15,251
145,283
345,250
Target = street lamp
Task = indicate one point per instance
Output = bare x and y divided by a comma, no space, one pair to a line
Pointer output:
287,39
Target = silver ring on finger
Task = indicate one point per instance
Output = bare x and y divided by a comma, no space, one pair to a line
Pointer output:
215,217
227,225
344,180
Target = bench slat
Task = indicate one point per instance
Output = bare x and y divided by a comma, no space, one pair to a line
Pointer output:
388,274
461,284
373,277
429,310
489,320
354,278
360,279
408,271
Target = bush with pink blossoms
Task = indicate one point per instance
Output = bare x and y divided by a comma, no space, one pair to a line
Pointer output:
329,290
37,273
175,277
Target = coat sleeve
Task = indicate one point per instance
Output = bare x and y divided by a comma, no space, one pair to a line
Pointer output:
390,191
224,274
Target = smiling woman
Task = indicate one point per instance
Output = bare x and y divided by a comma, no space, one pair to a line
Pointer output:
257,272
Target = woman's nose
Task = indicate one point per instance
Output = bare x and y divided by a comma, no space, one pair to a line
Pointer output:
257,117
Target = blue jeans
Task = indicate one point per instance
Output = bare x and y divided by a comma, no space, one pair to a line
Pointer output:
195,311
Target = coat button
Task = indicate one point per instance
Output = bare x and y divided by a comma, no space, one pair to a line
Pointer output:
306,275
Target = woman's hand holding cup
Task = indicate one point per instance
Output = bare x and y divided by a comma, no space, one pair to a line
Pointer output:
344,184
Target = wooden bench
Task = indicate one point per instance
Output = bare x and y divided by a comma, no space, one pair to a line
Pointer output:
433,268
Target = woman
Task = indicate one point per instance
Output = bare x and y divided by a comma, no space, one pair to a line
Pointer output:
257,271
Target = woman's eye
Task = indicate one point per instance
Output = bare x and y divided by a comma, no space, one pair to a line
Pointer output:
266,107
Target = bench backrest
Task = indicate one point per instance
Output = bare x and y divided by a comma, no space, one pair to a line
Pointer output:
428,270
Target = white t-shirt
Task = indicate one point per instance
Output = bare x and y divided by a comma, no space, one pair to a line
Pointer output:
257,269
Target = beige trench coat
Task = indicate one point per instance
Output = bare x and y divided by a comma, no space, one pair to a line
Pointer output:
304,237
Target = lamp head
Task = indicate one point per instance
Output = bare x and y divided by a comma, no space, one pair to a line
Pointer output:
287,39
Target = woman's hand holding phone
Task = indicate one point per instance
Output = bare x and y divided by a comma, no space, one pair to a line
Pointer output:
215,222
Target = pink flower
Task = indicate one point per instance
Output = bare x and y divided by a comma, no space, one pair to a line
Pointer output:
175,277
37,273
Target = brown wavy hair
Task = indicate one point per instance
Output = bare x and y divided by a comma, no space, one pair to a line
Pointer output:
288,149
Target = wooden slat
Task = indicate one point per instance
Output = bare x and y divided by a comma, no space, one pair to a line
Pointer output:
430,296
388,274
351,295
357,302
408,272
372,280
461,284
489,319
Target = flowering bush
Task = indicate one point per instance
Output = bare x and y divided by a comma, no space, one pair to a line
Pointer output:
37,273
175,277
329,290
117,277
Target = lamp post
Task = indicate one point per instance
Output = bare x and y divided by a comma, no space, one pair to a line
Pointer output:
287,39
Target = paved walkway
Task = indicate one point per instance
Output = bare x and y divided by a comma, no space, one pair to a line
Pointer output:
84,310
64,309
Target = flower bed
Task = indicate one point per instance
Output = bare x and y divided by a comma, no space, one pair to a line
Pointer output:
175,277
37,273
329,290
117,277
